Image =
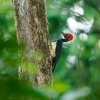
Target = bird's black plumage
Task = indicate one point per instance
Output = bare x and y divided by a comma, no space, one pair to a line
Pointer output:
57,53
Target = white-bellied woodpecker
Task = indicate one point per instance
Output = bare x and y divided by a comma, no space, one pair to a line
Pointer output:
57,48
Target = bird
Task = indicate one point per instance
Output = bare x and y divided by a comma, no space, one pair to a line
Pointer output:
56,48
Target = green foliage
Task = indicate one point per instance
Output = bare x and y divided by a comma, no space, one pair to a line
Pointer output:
76,76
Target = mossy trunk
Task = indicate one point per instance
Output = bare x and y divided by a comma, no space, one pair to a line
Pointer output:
33,37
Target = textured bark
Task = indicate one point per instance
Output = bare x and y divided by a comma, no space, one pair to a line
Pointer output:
33,37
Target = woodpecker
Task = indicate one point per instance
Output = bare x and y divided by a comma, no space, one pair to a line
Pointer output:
57,47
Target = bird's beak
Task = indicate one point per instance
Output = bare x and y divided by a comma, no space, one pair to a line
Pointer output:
62,33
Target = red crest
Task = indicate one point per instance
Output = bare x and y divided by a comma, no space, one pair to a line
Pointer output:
68,36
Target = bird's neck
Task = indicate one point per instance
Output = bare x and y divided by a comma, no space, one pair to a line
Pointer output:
64,40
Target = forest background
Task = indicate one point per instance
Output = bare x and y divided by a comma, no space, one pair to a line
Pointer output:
76,76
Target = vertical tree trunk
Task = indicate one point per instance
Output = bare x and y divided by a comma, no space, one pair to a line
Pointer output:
32,34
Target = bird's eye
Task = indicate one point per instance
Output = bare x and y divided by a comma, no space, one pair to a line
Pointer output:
68,37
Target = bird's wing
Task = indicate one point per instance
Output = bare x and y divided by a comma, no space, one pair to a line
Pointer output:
58,53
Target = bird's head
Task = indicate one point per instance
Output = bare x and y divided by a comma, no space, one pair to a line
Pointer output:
68,36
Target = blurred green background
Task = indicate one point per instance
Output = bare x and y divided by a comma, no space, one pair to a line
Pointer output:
77,74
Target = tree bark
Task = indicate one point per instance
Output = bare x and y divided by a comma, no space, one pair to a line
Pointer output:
33,37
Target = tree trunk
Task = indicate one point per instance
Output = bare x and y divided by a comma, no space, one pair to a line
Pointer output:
33,37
